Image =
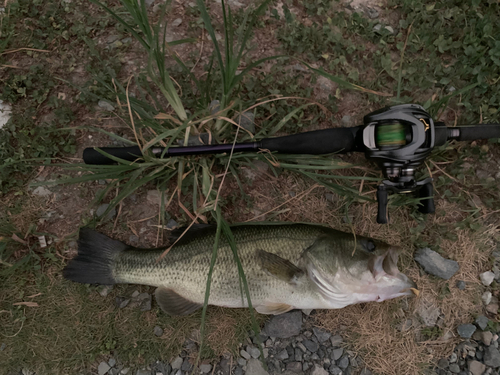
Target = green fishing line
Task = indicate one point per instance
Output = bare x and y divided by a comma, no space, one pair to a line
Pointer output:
392,134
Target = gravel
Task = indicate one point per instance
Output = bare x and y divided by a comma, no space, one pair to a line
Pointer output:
205,368
177,363
487,278
435,264
311,345
318,370
337,353
466,330
245,354
254,367
482,322
284,325
321,334
102,209
486,297
105,105
103,368
158,331
461,284
492,357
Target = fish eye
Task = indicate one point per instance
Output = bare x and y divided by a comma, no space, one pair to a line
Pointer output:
370,246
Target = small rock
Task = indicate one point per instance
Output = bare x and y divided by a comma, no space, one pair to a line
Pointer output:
42,191
487,278
125,371
482,322
2,347
298,355
454,368
486,297
158,331
144,301
461,284
428,312
143,372
153,197
122,302
435,264
336,340
377,28
214,107
246,121
390,29
486,337
106,105
325,87
453,357
476,368
245,354
372,13
285,325
294,367
5,109
321,334
238,371
112,362
482,175
254,352
186,365
492,308
466,330
103,368
282,355
311,345
492,356
171,224
318,370
102,209
241,361
305,366
105,289
133,240
205,368
365,371
335,370
346,121
337,353
443,363
176,22
254,367
344,362
176,363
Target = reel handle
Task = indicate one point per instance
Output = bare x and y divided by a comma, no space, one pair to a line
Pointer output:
382,199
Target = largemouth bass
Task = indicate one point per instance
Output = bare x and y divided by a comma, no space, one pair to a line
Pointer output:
293,266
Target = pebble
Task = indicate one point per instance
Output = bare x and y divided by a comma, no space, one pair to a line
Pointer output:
103,368
435,264
122,302
125,371
42,191
112,362
486,337
205,368
335,370
284,325
487,278
2,347
176,363
443,363
245,354
171,224
492,308
254,367
106,105
337,353
453,357
365,371
454,368
318,370
321,334
105,289
311,345
346,121
282,355
176,22
344,362
294,367
254,352
486,297
466,330
102,209
336,340
492,357
186,365
246,121
143,372
153,197
242,362
476,368
461,284
158,331
482,322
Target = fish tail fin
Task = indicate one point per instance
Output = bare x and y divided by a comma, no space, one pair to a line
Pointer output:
95,259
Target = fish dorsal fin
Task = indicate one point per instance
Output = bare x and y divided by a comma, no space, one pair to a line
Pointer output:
173,303
273,308
196,230
281,268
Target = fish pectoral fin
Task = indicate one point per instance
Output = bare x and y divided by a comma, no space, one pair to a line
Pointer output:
273,308
281,268
173,303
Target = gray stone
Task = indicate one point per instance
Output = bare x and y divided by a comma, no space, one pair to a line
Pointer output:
103,368
453,357
377,28
491,356
325,87
106,105
102,209
122,302
241,361
482,322
461,284
186,365
336,340
476,368
143,372
254,367
346,121
466,330
321,334
253,351
42,191
483,175
486,297
435,264
294,367
454,368
305,366
133,240
238,371
176,22
443,363
365,371
282,355
2,347
104,290
318,370
337,353
5,109
486,337
372,13
298,355
125,371
344,362
214,107
246,121
428,312
144,301
390,29
492,308
112,362
245,354
153,197
335,370
206,368
487,278
311,345
172,224
158,331
284,325
176,363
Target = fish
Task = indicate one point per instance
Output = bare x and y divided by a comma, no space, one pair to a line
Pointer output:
287,266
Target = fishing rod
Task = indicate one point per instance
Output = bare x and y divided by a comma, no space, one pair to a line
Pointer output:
397,138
